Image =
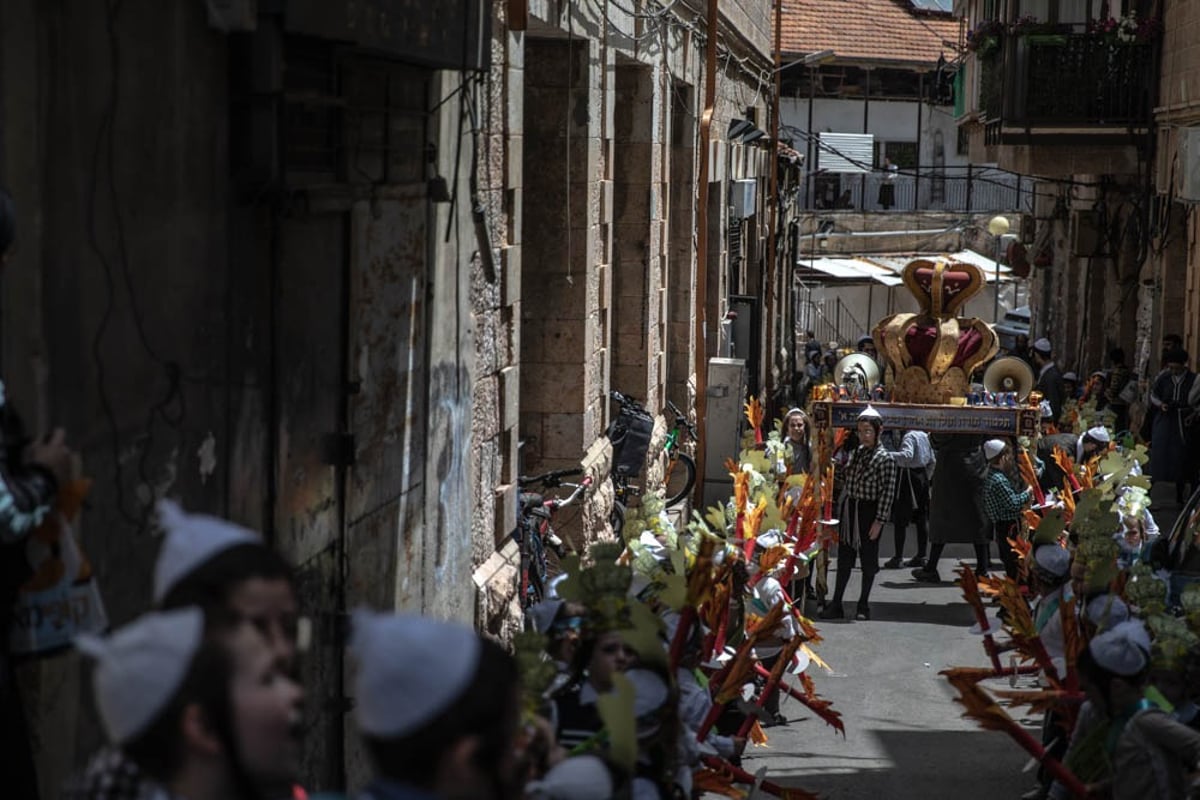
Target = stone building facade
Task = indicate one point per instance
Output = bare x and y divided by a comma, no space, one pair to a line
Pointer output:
341,271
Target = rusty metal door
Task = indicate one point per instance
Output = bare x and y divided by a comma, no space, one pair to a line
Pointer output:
387,412
310,313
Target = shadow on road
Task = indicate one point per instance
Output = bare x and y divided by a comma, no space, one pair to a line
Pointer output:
985,766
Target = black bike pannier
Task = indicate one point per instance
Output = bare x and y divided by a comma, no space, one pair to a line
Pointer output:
630,436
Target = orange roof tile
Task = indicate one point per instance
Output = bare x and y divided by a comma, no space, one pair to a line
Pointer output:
867,30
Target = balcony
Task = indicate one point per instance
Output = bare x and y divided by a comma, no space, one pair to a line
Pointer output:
1061,84
1068,88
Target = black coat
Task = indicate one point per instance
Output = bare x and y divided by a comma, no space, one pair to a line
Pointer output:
1051,385
1052,476
956,497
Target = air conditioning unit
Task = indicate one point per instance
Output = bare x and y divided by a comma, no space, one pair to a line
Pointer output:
742,197
1188,169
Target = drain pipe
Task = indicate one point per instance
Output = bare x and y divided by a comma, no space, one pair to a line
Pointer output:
700,332
772,219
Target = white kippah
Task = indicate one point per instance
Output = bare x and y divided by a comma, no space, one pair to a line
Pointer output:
1098,434
410,670
575,778
1106,611
993,448
1053,559
649,691
141,667
1043,346
191,540
1123,650
870,413
541,615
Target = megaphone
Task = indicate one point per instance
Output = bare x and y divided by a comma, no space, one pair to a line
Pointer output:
857,369
1009,374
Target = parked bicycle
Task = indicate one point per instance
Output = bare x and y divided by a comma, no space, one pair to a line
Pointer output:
680,475
629,433
535,533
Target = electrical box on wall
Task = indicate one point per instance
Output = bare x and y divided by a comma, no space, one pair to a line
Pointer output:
743,195
1188,169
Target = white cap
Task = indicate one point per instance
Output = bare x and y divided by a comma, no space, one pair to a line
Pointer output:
1046,410
1106,611
141,667
410,670
649,691
1098,434
1054,559
1043,346
870,413
1070,376
993,448
768,539
191,540
1124,649
575,778
541,615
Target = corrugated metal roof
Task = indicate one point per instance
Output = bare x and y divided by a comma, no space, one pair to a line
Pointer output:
846,152
851,269
886,269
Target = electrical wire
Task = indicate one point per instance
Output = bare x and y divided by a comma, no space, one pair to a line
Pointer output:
104,155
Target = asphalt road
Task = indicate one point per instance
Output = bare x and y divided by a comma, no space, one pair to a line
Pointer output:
905,737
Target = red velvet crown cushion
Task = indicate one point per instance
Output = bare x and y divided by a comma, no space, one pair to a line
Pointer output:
954,283
919,340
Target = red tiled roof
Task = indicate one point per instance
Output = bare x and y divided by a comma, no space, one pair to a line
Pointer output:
866,30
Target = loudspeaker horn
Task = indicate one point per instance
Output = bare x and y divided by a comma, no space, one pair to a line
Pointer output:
857,369
1009,374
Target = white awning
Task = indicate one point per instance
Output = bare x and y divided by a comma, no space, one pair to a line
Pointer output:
894,265
851,269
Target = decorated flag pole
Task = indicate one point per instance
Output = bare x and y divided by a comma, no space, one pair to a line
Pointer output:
819,707
986,711
774,677
740,775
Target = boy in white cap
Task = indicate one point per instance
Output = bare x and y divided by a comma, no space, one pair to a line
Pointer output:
866,506
437,707
1001,502
1151,753
225,570
205,713
1051,574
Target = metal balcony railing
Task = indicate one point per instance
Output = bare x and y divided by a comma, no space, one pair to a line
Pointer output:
1076,80
925,188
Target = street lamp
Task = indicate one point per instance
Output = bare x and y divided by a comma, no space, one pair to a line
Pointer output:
997,226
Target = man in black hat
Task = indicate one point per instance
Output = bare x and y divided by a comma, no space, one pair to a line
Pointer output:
1050,380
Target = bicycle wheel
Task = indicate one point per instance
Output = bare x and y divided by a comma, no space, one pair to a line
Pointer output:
617,518
679,479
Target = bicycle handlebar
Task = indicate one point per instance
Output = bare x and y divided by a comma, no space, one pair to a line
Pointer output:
573,497
551,478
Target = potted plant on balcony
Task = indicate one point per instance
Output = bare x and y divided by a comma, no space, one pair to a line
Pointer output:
1039,31
984,39
1128,29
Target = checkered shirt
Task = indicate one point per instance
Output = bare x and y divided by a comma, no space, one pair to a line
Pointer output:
1001,502
871,475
